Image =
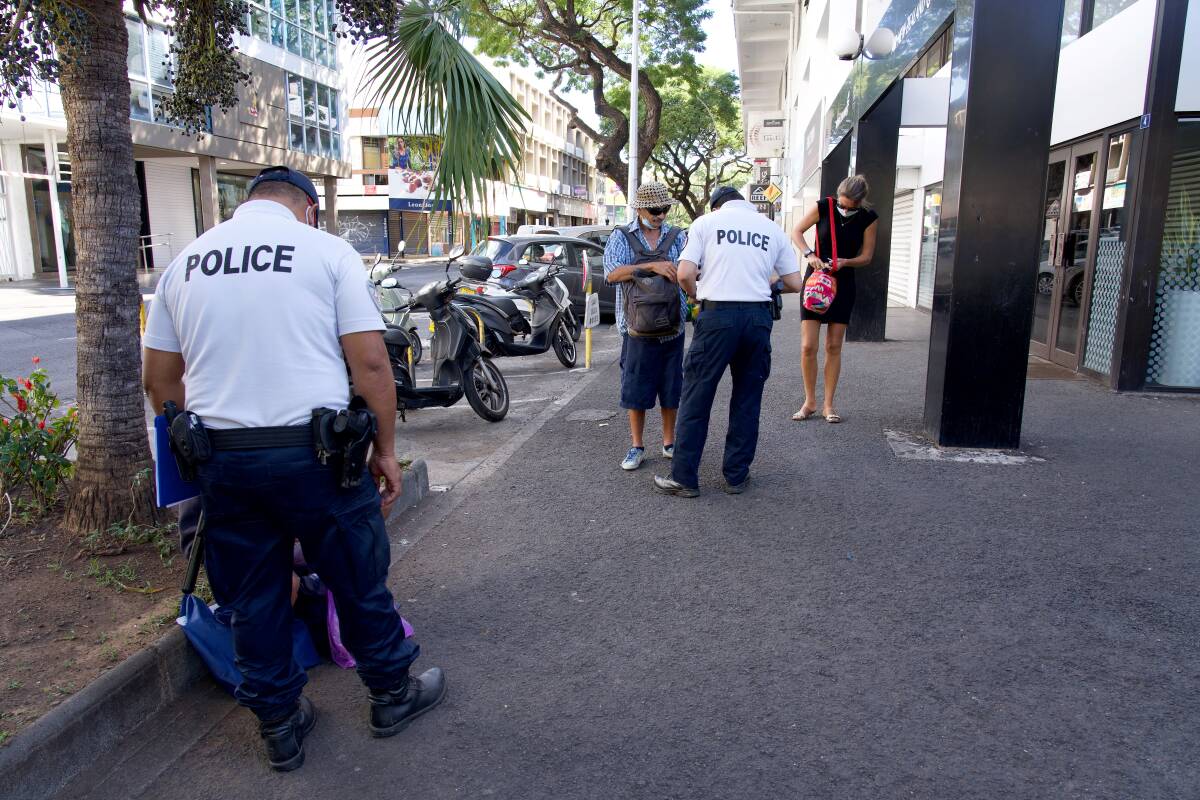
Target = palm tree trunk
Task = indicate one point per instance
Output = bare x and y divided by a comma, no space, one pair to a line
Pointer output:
111,477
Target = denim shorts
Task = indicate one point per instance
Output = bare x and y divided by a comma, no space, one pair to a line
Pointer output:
651,370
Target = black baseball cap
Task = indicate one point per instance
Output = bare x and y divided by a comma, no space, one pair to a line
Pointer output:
722,194
287,175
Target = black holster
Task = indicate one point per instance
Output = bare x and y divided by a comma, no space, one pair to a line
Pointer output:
189,440
777,300
343,439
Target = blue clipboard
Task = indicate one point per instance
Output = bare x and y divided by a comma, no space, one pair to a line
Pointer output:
169,486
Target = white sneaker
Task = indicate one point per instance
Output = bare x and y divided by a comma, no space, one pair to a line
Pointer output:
634,458
668,451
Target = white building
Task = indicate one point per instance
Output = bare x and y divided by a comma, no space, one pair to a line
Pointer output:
292,113
792,75
386,199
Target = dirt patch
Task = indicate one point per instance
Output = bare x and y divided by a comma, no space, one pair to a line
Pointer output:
72,611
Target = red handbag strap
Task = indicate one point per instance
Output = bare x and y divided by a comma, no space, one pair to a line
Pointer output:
832,233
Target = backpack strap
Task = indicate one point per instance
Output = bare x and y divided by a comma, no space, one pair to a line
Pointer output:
639,250
833,234
668,241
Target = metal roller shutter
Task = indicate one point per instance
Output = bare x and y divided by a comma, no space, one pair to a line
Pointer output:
172,208
366,231
901,273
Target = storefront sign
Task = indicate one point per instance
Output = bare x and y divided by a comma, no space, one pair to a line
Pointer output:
412,163
914,23
762,170
758,193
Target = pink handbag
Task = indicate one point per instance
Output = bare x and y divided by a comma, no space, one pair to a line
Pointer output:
821,287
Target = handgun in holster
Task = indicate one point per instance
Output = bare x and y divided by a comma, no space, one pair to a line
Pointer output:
777,300
343,439
189,440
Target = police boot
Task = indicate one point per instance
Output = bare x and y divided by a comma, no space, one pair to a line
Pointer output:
392,710
285,737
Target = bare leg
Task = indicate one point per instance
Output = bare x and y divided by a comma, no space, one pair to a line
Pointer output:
668,415
833,363
637,426
810,340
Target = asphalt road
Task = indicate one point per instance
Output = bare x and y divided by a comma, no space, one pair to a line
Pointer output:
854,626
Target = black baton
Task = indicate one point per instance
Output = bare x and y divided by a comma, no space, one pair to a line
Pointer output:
197,557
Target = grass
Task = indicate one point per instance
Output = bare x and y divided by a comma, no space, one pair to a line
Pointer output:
124,578
110,654
14,685
122,535
4,737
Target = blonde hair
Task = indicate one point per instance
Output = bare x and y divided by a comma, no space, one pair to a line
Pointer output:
856,188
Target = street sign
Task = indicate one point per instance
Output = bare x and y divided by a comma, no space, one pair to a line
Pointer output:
772,193
591,311
762,172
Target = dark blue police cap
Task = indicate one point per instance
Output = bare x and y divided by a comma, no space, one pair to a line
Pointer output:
287,175
723,193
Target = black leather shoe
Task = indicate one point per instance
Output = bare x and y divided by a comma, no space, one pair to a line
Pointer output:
736,488
285,737
392,711
674,488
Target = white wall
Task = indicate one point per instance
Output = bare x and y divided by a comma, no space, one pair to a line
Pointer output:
1102,76
15,240
172,207
1188,98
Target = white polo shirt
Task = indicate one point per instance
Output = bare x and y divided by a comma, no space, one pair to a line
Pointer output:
737,249
256,306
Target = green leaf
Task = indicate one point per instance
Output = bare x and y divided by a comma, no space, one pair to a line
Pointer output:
432,85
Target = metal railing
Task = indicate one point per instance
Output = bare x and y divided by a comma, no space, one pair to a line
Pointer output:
149,242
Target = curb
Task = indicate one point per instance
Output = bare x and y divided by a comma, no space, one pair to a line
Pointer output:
46,756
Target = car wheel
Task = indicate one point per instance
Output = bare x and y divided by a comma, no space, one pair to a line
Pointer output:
1045,283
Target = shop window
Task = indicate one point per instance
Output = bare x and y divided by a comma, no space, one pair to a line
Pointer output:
313,119
1080,17
1175,340
931,221
936,56
1110,258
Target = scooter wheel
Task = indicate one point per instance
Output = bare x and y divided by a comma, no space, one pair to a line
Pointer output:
418,349
486,389
564,344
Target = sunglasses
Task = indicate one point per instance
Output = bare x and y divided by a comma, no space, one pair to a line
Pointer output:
659,211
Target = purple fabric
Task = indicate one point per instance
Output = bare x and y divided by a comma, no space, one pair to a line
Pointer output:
341,656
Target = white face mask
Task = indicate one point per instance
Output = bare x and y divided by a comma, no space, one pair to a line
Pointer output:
847,212
652,224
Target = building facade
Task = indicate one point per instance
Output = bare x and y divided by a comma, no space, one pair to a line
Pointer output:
292,112
387,199
1088,315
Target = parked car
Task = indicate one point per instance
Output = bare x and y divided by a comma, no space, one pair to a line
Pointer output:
592,233
503,260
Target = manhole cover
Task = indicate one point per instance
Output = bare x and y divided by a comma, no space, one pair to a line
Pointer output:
590,415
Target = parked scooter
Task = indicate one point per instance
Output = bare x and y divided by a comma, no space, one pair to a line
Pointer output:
388,290
460,366
551,324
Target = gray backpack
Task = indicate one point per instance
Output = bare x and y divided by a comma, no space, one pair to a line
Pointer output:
651,301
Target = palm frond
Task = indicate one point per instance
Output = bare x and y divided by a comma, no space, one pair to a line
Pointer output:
433,85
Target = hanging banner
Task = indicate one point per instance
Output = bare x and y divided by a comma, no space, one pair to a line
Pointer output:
412,162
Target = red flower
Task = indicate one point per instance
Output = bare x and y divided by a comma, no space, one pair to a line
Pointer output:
21,404
42,425
28,385
37,359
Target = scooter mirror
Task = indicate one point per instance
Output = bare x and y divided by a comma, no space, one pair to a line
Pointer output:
400,247
389,283
457,251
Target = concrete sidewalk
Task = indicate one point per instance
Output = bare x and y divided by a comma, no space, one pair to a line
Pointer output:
856,625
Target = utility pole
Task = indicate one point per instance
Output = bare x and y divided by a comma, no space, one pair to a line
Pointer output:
635,172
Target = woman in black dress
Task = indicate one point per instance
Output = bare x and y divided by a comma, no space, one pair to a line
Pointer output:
854,222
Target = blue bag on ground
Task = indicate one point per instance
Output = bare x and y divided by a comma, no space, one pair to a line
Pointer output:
212,638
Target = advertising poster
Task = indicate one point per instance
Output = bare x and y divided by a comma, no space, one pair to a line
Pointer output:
412,162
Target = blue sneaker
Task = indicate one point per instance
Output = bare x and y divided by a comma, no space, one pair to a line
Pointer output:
634,458
668,451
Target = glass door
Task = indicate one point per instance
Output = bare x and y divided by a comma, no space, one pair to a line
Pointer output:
1076,253
1056,177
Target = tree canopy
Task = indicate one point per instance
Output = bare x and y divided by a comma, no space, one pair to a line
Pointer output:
585,45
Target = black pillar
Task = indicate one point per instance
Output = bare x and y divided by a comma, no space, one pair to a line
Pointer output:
835,167
877,138
997,140
1149,183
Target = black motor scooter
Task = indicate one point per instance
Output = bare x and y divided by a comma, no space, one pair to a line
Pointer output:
460,366
551,323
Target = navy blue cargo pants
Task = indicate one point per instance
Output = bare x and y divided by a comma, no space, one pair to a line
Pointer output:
256,503
737,336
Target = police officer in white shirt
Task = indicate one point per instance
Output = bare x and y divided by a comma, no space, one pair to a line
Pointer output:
253,324
727,265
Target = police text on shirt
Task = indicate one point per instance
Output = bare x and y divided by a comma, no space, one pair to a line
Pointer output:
746,238
214,261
